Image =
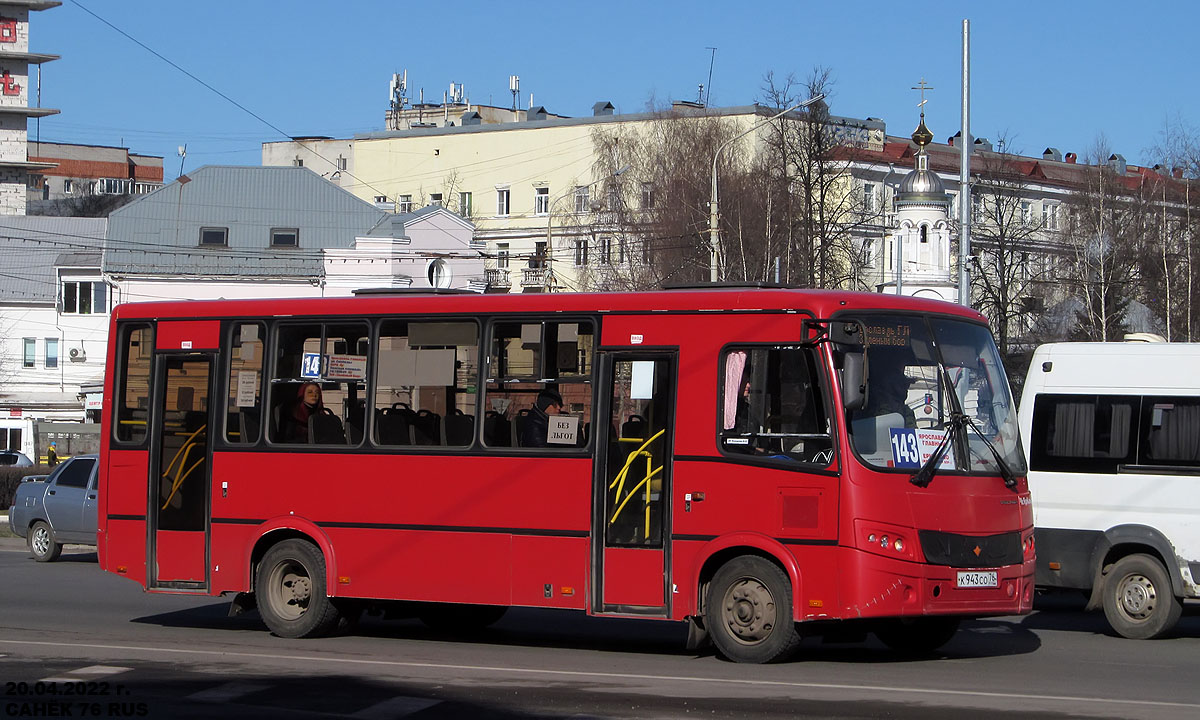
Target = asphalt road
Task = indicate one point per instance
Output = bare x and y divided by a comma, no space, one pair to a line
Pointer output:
78,642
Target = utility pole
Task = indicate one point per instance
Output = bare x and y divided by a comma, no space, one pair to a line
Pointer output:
964,193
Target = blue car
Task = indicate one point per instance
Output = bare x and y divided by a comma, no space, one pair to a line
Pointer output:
58,511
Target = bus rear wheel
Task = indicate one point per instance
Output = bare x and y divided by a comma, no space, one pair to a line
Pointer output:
749,611
1138,600
917,636
290,591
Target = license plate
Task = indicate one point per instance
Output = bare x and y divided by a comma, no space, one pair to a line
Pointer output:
978,578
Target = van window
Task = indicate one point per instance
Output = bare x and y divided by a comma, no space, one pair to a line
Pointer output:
1083,433
1171,431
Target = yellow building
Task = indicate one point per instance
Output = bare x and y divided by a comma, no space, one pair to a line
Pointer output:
534,186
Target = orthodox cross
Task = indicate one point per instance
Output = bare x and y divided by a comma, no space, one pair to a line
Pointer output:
922,86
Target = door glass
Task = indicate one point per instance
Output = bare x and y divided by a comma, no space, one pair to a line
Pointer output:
183,464
637,450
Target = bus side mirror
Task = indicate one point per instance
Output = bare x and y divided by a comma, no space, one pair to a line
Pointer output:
854,381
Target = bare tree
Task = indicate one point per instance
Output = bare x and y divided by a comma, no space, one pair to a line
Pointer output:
1009,240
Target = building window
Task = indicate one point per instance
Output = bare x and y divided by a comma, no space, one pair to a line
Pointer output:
464,204
341,163
380,198
605,247
51,352
112,186
924,233
1026,212
214,236
502,201
622,257
647,196
29,353
1051,217
581,252
404,204
976,207
438,273
285,237
68,186
435,198
502,255
539,255
541,200
83,298
868,198
297,162
582,199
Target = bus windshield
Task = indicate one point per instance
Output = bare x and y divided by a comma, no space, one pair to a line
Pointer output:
920,371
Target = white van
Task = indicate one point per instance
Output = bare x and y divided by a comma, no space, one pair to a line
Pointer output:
1112,436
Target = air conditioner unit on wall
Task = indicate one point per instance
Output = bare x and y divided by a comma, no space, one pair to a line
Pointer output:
77,354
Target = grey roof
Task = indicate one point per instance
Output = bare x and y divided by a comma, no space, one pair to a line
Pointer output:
159,234
30,249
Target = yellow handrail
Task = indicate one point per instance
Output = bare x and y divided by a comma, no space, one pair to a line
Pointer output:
181,456
619,480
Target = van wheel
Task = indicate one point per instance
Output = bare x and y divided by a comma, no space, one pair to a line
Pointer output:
42,543
749,611
290,588
917,636
1138,600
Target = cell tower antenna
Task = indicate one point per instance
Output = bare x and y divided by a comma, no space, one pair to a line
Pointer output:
514,86
712,59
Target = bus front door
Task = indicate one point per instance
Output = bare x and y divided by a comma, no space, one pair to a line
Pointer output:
180,454
633,479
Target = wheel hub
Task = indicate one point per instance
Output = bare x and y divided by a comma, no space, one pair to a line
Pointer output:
41,541
750,611
1137,596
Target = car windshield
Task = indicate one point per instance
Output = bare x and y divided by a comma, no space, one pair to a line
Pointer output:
920,372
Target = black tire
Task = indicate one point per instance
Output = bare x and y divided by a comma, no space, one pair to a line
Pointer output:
290,591
1138,600
917,636
42,543
748,611
460,618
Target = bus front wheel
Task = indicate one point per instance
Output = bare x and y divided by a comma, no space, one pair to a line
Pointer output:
749,611
1138,600
290,590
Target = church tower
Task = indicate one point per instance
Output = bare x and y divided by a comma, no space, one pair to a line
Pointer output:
918,250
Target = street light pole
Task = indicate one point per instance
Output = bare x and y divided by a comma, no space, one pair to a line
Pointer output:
714,231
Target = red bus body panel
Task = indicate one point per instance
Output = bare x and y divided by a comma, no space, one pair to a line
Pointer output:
513,529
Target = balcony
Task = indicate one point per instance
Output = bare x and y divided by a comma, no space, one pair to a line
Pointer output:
497,278
535,277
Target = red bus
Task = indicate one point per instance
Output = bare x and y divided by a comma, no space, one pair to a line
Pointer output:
761,463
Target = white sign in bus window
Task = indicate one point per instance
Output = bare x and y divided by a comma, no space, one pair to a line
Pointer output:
247,352
434,368
397,367
568,332
346,367
249,332
531,334
247,388
562,430
642,382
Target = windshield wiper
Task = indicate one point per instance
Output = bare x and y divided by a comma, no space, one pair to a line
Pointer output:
958,424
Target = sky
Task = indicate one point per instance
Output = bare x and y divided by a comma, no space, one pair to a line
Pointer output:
1043,74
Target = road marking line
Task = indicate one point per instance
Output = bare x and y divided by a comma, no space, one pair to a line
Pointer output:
936,692
100,670
79,674
227,692
398,706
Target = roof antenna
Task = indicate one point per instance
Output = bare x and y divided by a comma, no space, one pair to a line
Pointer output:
712,59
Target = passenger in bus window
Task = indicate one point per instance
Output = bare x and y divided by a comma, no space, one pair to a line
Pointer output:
888,393
308,403
536,425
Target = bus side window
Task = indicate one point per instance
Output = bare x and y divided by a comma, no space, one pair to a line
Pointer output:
133,384
771,405
535,368
244,401
425,388
332,356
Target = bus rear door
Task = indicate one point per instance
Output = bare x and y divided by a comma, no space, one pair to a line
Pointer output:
633,478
